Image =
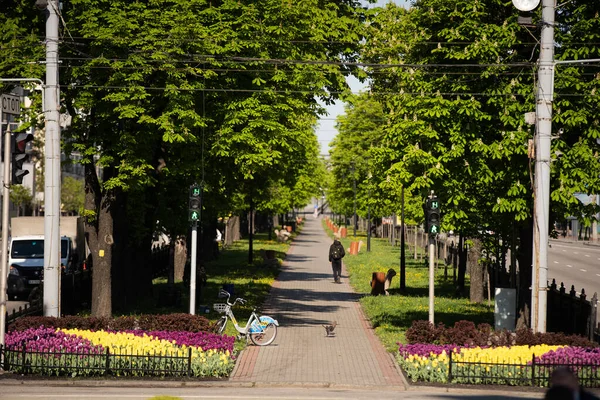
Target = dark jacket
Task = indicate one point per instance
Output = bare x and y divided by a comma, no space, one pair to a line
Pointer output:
336,243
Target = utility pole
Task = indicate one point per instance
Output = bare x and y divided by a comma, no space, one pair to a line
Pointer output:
52,168
543,138
543,135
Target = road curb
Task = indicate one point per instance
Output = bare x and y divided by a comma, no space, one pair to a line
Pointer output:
14,382
117,383
120,383
567,241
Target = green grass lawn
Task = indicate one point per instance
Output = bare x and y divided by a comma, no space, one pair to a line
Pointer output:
251,281
392,315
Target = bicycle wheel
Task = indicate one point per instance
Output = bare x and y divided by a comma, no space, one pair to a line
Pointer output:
266,336
220,325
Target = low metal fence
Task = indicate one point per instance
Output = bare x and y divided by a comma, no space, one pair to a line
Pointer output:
535,373
58,363
34,308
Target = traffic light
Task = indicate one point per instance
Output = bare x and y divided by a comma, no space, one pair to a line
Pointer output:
433,215
195,203
19,156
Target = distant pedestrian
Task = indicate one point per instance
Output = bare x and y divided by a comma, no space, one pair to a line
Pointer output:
565,385
336,253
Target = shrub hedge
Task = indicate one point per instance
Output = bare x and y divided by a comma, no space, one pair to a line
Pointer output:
466,333
148,322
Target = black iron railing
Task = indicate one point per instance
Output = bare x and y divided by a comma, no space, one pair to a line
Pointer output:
57,363
535,373
34,308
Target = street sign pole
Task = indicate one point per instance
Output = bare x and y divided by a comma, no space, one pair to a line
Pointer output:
431,276
194,215
9,104
432,224
4,266
193,268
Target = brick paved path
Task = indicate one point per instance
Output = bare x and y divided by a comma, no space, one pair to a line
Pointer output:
303,299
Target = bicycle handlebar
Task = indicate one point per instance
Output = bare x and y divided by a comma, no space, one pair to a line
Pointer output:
225,293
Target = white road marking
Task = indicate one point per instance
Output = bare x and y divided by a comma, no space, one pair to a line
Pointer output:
570,266
575,252
555,262
583,270
587,255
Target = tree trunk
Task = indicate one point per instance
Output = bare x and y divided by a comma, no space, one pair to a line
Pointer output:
462,266
98,230
171,268
232,230
179,258
476,272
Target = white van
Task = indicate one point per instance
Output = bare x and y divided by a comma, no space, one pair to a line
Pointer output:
26,263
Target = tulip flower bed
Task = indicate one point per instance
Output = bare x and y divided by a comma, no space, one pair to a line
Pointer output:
73,352
503,365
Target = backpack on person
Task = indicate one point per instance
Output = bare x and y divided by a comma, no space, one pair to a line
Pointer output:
337,251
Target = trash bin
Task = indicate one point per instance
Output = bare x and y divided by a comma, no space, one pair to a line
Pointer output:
505,309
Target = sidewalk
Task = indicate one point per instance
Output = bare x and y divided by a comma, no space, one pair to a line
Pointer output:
302,299
570,239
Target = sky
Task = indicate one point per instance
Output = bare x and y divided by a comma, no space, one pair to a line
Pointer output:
326,125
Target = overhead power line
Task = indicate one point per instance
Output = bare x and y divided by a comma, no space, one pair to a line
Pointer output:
216,39
207,58
310,92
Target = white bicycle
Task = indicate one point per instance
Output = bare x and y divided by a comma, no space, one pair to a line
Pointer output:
261,329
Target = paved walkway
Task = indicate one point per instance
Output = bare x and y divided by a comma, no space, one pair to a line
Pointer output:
303,298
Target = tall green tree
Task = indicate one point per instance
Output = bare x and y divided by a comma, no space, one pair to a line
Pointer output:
21,197
460,76
72,195
360,133
182,91
167,93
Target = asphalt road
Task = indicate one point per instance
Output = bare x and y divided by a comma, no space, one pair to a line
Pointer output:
33,391
575,264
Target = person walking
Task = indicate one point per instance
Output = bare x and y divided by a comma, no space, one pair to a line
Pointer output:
336,253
